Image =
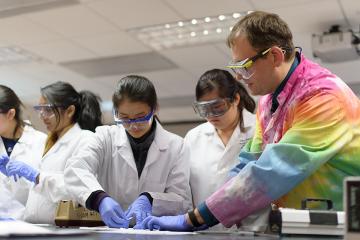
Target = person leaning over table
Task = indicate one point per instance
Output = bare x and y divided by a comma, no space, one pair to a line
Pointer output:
135,168
307,136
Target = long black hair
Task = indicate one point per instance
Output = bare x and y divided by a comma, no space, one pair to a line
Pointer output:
87,106
9,100
136,89
227,87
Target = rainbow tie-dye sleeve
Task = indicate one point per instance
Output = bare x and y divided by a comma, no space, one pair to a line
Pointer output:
250,152
322,145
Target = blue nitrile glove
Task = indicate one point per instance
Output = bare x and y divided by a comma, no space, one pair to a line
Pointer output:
171,223
4,159
141,208
6,219
21,169
112,214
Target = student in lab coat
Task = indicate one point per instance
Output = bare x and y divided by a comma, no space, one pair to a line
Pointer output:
135,168
215,145
68,115
18,141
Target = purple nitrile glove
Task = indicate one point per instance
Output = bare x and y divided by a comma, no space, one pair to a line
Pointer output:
171,223
4,159
21,169
141,208
112,214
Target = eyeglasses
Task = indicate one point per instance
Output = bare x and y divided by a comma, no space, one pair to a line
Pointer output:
46,110
243,67
213,108
128,122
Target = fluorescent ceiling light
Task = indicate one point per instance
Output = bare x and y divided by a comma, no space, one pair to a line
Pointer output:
188,32
17,55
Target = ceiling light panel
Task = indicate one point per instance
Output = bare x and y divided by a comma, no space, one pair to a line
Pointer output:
189,32
17,55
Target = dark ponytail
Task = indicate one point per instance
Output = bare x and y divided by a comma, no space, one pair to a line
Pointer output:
90,115
227,87
87,106
9,100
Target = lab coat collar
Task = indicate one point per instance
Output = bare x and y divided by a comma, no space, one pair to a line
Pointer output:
160,138
160,142
120,139
210,130
69,135
66,138
25,137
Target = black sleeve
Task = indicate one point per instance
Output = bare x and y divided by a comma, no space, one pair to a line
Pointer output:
148,196
93,202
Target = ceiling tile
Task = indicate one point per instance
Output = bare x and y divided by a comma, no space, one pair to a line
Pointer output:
44,74
18,30
73,21
17,81
109,81
197,59
352,11
224,49
129,13
60,51
343,70
114,65
266,5
327,13
172,83
112,44
204,8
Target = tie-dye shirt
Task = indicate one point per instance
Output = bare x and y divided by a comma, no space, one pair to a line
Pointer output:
303,150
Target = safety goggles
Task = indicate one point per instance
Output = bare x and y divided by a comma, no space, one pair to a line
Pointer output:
45,110
133,123
213,108
244,67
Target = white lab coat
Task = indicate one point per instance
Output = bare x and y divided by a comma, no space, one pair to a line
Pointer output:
29,150
211,161
44,197
108,164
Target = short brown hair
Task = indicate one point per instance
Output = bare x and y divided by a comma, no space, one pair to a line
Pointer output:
264,30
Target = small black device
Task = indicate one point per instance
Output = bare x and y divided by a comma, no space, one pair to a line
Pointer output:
352,208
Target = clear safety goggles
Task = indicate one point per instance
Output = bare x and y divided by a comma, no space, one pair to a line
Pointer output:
45,110
133,124
244,67
213,108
